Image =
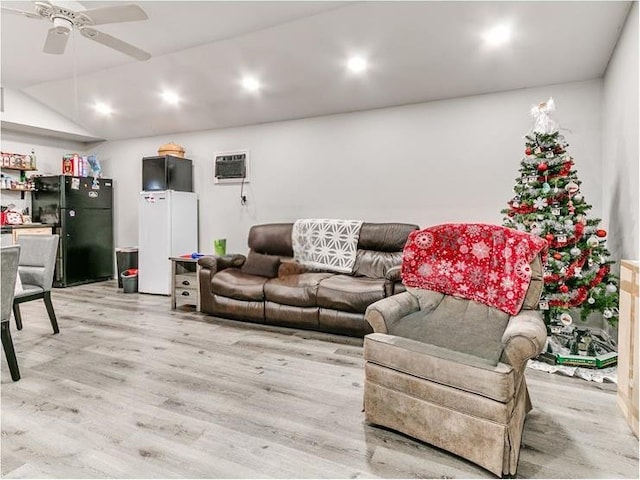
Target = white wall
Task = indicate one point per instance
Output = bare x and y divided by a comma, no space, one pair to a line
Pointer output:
452,160
49,152
620,155
20,109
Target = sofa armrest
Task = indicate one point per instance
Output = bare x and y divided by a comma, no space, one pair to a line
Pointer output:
394,274
382,313
523,339
215,263
392,278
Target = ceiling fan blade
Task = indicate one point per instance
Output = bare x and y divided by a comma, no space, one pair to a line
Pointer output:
115,14
56,41
115,43
21,12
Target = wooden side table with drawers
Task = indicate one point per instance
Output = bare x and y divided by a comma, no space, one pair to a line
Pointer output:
185,288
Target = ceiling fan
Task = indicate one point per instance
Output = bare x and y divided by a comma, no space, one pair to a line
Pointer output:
64,20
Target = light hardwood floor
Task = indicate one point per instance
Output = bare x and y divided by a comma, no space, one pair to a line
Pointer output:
132,389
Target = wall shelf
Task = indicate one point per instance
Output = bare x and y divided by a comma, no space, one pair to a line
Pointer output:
22,177
19,169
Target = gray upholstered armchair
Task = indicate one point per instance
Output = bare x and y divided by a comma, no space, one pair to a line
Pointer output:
36,267
9,257
450,371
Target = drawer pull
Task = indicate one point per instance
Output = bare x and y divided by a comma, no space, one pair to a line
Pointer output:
185,294
186,282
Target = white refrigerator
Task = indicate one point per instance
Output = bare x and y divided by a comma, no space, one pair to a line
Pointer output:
167,227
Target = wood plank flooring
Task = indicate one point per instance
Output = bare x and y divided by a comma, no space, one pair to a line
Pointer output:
131,389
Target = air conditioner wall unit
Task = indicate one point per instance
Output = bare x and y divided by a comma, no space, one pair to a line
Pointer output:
231,167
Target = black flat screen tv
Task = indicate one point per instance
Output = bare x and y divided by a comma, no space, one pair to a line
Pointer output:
167,173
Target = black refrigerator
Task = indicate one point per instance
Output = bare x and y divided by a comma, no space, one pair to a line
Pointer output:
80,210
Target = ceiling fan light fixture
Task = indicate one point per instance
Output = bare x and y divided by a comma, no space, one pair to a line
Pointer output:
62,25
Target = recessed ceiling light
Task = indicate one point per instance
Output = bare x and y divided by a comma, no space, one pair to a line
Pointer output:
251,84
103,108
357,64
171,97
497,36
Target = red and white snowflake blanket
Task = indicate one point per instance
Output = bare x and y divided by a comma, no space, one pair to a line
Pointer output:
486,263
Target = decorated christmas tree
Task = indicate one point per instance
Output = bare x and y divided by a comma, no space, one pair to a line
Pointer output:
548,203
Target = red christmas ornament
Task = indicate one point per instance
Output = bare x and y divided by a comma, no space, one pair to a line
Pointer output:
549,237
579,228
542,167
563,288
528,151
601,233
557,256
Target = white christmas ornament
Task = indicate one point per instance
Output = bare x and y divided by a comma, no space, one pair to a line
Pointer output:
575,251
571,187
607,313
591,300
540,203
611,288
577,197
593,241
566,319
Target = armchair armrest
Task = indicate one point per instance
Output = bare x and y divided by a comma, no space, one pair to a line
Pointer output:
523,339
390,309
215,263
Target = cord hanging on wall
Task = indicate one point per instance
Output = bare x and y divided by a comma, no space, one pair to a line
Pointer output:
243,197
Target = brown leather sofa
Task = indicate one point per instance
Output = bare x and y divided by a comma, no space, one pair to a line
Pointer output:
282,292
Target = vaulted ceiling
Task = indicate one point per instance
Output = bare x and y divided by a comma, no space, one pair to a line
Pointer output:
417,51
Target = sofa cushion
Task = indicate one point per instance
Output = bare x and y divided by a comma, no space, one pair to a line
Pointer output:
261,264
385,237
271,238
236,284
456,324
374,264
295,290
446,367
350,294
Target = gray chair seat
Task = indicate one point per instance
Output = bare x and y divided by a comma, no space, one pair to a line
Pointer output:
28,289
443,366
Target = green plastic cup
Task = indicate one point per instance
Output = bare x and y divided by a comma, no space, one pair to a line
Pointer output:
220,246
